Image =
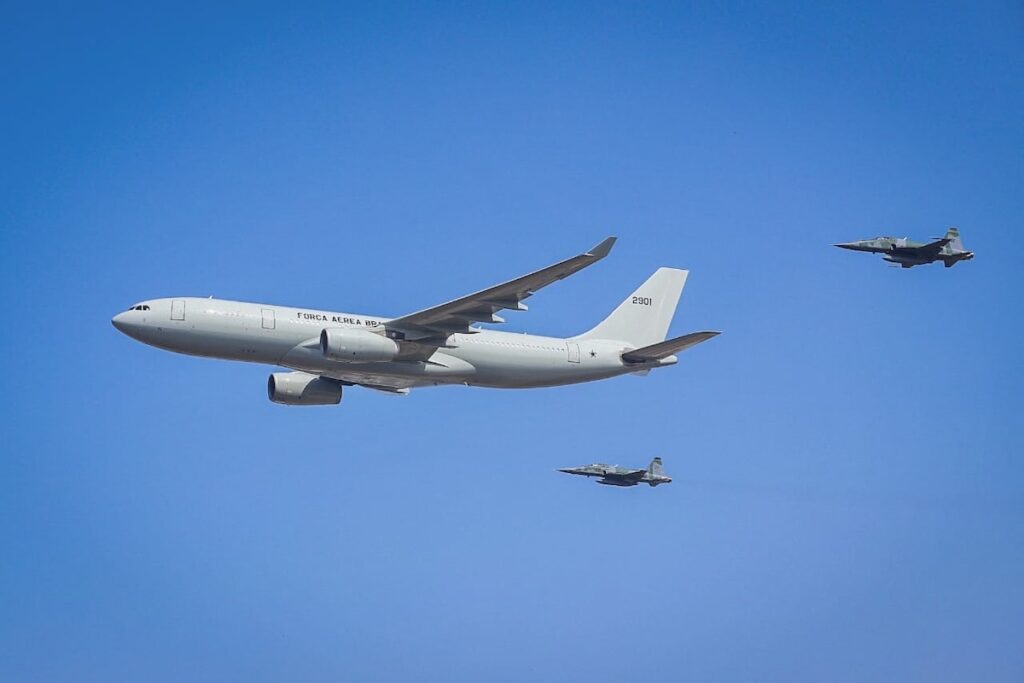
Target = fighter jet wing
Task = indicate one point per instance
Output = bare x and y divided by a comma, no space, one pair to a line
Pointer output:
631,476
930,250
667,347
456,316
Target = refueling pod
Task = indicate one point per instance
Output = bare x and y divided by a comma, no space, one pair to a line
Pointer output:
357,346
302,389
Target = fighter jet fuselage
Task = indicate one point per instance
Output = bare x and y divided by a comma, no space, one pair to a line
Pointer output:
907,253
614,475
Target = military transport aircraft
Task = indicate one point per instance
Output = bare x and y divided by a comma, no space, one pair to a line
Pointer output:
613,475
440,345
907,253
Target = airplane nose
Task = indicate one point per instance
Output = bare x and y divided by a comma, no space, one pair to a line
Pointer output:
846,245
119,321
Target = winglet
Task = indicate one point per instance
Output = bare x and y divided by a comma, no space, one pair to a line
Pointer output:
601,250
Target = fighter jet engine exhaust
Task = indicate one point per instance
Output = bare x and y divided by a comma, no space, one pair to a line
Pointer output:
357,346
302,389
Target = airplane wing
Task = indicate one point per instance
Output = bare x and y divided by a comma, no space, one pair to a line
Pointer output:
631,476
398,391
455,316
385,383
930,250
667,347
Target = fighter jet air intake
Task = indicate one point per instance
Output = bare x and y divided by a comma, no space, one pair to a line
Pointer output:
327,351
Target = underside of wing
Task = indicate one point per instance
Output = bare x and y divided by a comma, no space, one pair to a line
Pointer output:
379,382
633,475
404,391
437,323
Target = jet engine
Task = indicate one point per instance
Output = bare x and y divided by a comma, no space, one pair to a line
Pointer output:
303,389
357,346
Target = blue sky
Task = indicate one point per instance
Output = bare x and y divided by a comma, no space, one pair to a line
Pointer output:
847,503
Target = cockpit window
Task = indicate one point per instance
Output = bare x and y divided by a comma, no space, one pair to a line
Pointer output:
139,307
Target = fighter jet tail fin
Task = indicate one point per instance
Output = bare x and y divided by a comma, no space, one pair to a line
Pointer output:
655,467
643,318
953,235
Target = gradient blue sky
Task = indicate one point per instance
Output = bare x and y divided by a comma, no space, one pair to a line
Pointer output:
848,455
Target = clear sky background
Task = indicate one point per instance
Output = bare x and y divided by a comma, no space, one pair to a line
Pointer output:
848,498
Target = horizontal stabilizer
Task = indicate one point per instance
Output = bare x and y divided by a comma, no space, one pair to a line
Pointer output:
667,347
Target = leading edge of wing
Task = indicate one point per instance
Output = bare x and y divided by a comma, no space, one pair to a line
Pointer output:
456,315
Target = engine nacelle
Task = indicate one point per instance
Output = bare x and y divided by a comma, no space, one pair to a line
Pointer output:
302,389
357,346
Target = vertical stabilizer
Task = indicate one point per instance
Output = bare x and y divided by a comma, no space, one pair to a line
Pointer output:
955,243
655,467
643,318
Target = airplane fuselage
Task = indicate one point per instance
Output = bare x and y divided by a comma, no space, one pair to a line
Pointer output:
907,253
613,475
290,337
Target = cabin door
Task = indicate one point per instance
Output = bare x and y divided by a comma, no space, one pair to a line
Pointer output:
268,318
178,309
574,352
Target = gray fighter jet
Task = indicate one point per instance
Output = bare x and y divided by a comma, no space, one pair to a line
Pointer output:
613,475
907,253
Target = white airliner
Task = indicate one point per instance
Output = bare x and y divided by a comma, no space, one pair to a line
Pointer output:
327,351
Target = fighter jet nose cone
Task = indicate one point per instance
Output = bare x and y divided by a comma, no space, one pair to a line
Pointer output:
845,245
